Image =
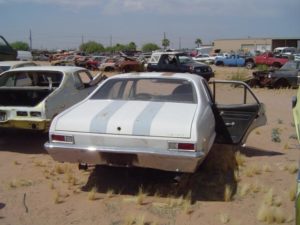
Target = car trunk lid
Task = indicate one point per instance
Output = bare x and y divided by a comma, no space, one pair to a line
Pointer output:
137,118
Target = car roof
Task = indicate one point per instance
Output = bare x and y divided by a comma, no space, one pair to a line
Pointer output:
186,76
168,53
13,63
63,69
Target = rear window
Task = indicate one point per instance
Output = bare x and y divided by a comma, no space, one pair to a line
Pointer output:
148,89
31,79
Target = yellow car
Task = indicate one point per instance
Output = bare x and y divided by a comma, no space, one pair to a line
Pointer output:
296,114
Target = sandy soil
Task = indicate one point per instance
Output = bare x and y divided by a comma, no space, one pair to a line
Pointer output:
34,189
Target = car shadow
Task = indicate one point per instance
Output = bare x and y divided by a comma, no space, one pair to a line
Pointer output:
27,142
252,152
208,183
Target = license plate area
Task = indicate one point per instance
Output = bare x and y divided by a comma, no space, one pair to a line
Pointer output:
2,116
117,159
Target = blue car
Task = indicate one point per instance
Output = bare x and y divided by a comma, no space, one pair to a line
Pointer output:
230,60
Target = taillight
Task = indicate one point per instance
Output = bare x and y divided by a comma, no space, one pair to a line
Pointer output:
182,146
35,114
22,113
62,138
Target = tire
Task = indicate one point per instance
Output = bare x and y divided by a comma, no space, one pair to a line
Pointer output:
109,69
281,83
219,63
276,65
249,65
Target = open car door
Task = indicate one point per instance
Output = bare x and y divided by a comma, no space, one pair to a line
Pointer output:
237,111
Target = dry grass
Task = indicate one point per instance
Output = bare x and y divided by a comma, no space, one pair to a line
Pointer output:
187,203
267,168
110,193
92,194
224,218
243,190
227,193
270,214
292,193
270,210
253,170
13,183
140,199
59,169
269,197
71,179
20,183
240,159
57,197
255,187
131,220
39,163
292,168
17,163
237,177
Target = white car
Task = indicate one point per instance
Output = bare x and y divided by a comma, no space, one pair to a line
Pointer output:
7,65
166,121
204,58
30,97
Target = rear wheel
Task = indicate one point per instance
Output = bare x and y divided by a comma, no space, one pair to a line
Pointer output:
108,69
276,65
219,63
282,83
249,65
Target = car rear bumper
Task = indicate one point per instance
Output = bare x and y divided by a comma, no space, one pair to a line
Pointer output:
27,125
171,161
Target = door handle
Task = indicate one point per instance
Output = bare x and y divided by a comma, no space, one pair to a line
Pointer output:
231,124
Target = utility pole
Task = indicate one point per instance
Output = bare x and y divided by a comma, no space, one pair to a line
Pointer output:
82,39
179,43
110,41
30,40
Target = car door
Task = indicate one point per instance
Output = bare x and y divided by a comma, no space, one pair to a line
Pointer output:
237,111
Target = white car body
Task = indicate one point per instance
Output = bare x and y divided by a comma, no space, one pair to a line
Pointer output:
7,65
30,97
204,58
143,126
24,55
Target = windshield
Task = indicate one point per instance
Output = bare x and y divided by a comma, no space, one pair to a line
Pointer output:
185,59
31,79
4,68
148,89
291,65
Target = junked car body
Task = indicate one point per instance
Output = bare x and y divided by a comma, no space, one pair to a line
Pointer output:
286,76
155,120
31,96
178,62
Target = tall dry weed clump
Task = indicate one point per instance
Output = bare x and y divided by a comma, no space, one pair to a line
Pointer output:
270,210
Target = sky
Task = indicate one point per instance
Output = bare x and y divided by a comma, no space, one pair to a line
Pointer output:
65,24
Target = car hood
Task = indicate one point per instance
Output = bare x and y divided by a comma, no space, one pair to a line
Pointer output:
138,118
196,64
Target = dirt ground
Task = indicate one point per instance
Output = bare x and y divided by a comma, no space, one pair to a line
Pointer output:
253,187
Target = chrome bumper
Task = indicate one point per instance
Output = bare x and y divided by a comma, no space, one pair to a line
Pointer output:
169,161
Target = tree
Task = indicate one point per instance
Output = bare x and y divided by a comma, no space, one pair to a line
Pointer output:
149,47
165,43
198,42
91,47
131,46
19,45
